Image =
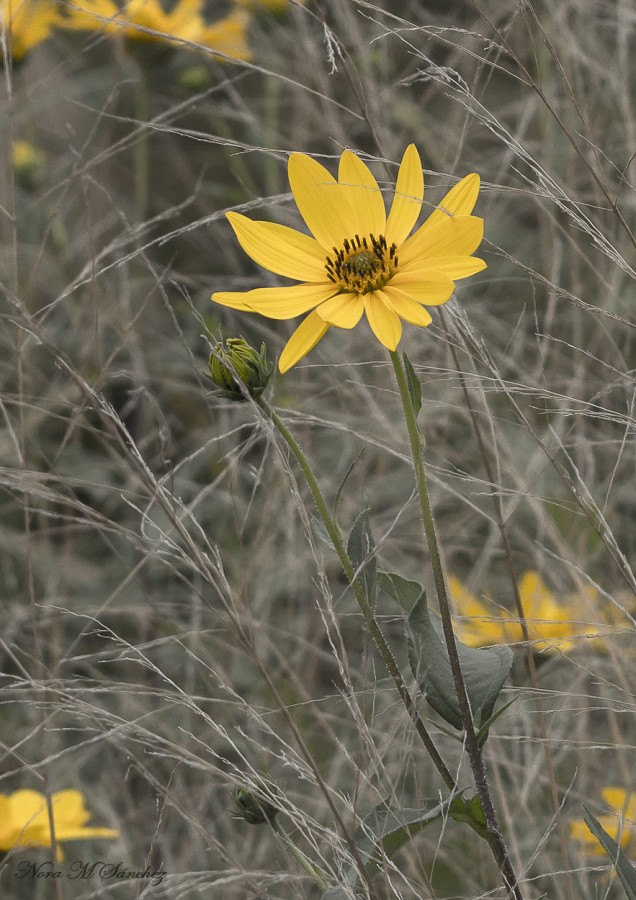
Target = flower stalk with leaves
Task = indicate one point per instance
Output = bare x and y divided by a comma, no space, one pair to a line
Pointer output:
361,262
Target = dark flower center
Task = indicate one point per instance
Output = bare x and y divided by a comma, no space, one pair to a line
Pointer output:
362,265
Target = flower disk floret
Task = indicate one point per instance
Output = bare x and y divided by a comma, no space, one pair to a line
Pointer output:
359,261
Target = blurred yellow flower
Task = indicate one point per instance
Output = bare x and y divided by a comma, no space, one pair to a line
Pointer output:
26,156
90,15
228,36
28,163
275,6
184,21
24,819
551,625
147,20
620,822
359,261
26,23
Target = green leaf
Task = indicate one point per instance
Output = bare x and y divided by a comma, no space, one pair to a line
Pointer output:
361,550
336,503
414,384
624,869
404,591
484,669
381,835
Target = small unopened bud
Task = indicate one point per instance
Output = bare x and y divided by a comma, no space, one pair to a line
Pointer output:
28,164
195,78
238,371
257,808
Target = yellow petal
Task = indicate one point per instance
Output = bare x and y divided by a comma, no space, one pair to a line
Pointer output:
288,302
459,201
234,299
512,629
91,16
68,808
457,267
580,832
407,308
322,203
302,341
407,201
613,826
183,14
464,603
228,35
450,237
280,249
430,287
80,833
384,322
25,819
616,798
343,310
28,808
363,194
533,593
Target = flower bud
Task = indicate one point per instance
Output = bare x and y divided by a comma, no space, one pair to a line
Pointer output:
28,164
238,371
257,808
195,78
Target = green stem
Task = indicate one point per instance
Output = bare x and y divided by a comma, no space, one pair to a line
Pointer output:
315,873
374,629
475,757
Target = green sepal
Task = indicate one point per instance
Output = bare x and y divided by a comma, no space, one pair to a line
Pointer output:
624,869
414,384
381,835
484,669
238,371
361,551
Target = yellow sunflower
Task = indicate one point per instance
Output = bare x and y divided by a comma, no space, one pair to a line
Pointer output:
148,21
26,23
359,260
551,625
275,6
620,824
24,820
